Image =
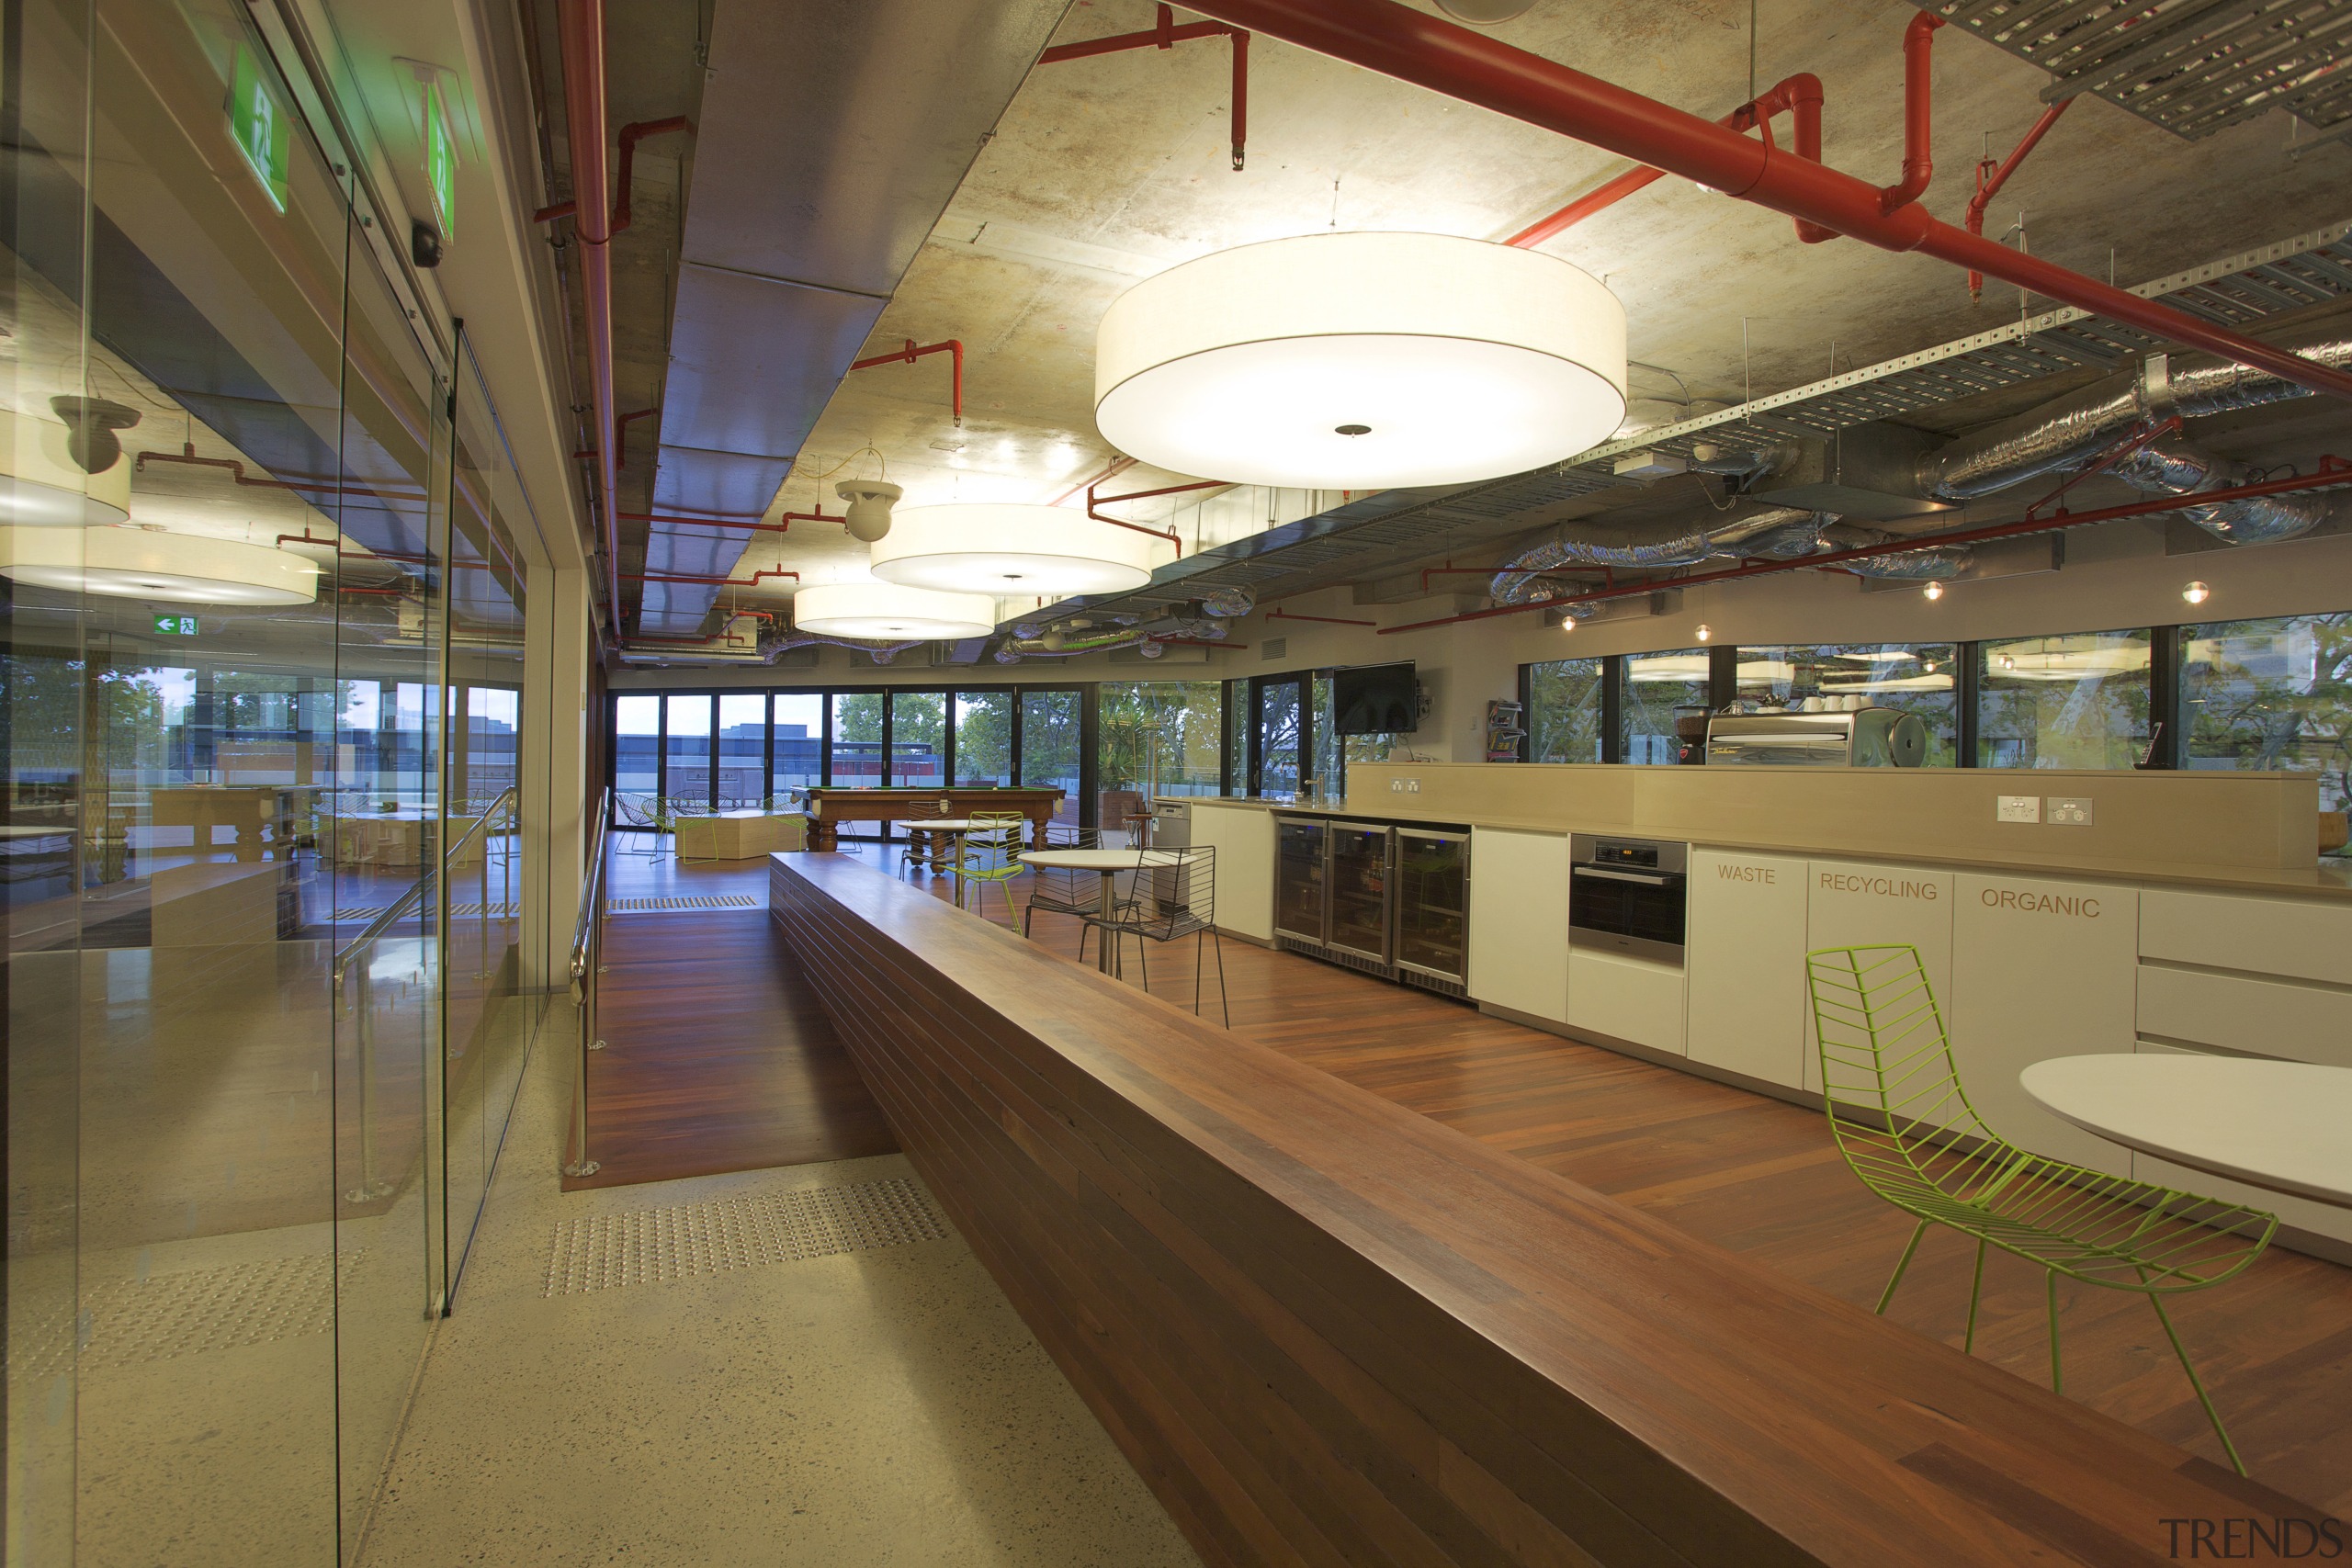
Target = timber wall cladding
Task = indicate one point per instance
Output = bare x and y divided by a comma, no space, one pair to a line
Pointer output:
1326,1330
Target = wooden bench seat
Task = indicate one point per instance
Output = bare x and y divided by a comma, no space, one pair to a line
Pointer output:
1325,1330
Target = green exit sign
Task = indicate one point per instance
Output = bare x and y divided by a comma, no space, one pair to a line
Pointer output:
258,126
440,160
175,625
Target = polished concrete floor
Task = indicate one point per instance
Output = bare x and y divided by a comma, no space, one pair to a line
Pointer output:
880,1406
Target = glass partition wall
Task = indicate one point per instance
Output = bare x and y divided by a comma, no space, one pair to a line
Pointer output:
270,986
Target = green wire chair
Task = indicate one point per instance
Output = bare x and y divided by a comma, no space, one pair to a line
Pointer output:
1907,1129
989,853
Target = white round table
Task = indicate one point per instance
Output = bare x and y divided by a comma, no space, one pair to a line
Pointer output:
1109,863
2282,1126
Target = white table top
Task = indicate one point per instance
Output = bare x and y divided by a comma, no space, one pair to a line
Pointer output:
2282,1126
1105,860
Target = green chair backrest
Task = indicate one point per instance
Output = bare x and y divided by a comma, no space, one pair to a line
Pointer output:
1887,1077
990,848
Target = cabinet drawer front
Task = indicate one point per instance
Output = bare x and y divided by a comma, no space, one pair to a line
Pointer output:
2300,937
1746,963
1518,922
1626,998
1858,904
2262,1018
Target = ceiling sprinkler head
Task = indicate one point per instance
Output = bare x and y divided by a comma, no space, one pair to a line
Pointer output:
1485,11
868,512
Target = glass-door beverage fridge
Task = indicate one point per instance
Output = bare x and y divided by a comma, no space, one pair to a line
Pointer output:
1299,879
1433,904
1360,890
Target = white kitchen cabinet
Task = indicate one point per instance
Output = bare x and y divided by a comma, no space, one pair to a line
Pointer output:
1243,837
1624,997
1518,922
2245,1014
2321,1219
1745,964
1859,903
2308,938
2040,967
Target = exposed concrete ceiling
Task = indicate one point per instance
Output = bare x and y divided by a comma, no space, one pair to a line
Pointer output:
1106,169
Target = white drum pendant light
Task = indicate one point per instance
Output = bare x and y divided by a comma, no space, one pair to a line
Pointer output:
171,568
885,610
42,487
1011,550
1360,362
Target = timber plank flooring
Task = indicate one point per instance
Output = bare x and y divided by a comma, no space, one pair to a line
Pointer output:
718,1056
1760,1176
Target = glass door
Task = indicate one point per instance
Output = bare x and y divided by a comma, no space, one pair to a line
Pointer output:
918,741
1432,903
983,738
1360,890
1050,746
797,760
1280,716
742,749
686,751
1299,877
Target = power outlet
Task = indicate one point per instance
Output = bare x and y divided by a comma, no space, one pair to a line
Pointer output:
2070,810
2017,808
1405,786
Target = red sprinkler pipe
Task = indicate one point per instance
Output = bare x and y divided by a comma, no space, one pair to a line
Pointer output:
1919,141
908,355
1166,35
785,520
2335,473
1801,93
1412,46
580,26
1168,533
1327,620
630,135
620,432
670,577
1992,176
237,472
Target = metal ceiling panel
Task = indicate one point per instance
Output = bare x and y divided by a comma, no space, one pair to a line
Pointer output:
736,330
833,133
2192,66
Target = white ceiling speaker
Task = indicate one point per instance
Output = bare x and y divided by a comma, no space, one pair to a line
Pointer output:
43,485
1348,361
171,568
868,512
1485,10
888,611
1011,550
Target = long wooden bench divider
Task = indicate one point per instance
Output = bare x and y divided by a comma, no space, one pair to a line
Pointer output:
1327,1330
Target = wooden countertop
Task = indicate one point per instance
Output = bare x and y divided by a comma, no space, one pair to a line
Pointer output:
2329,878
1327,1330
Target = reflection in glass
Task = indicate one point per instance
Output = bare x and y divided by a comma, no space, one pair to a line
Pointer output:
1564,710
2075,701
984,738
686,773
1655,684
2271,694
637,744
1919,678
742,748
1050,746
799,723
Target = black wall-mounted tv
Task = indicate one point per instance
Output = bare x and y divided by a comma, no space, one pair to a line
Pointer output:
1376,699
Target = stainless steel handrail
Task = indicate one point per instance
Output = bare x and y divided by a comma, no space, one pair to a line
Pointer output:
587,950
370,1186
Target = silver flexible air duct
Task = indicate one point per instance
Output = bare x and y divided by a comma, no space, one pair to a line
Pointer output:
2175,467
1781,531
883,652
2075,429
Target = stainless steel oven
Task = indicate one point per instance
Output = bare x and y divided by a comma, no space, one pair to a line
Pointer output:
1627,895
